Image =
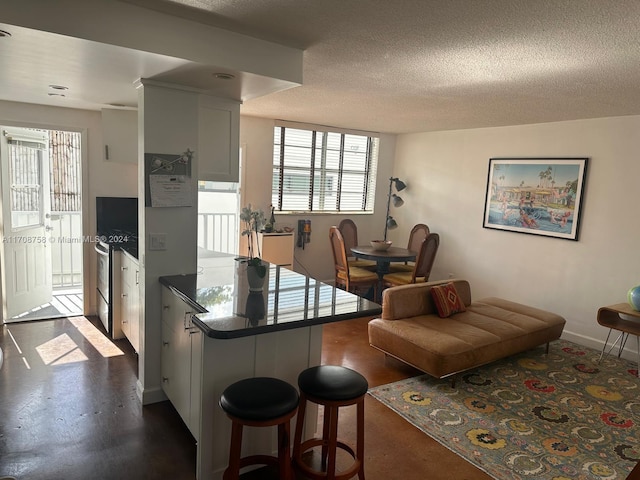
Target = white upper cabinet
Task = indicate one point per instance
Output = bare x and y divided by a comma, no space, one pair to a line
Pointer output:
218,139
120,135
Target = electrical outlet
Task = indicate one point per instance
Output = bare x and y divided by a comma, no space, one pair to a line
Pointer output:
157,241
451,275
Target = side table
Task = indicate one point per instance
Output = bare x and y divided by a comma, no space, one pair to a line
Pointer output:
626,320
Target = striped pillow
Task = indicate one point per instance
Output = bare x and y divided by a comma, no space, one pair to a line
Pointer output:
447,300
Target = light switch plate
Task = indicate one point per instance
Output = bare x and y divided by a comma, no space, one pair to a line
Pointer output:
157,241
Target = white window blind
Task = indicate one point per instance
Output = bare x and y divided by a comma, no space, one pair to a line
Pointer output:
323,171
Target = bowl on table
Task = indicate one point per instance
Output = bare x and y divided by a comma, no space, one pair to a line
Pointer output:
380,245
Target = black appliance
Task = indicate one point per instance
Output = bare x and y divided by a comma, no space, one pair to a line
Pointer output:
117,228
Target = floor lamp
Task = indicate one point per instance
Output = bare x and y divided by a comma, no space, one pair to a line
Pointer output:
390,223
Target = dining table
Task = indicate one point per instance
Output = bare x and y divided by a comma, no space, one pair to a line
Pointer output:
383,259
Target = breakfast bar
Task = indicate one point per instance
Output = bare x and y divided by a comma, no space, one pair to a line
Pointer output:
215,331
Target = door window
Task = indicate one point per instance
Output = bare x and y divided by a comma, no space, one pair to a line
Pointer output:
25,173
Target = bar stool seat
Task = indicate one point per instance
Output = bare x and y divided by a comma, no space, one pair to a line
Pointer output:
259,402
332,387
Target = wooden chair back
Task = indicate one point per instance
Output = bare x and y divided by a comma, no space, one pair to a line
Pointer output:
339,255
418,234
349,232
426,257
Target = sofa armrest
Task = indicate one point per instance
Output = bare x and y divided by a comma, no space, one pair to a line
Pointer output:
412,300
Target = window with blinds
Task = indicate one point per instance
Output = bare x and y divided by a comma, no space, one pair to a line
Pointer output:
323,171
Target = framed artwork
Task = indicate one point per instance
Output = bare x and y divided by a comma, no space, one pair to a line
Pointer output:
540,196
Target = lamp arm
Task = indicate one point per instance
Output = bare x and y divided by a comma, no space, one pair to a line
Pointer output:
386,218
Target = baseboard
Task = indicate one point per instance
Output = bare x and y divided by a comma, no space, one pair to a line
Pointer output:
630,351
150,395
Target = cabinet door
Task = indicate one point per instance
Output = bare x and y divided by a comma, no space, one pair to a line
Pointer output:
129,301
120,135
134,306
125,296
176,354
218,140
195,416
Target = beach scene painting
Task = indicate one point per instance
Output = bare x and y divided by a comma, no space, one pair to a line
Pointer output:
540,196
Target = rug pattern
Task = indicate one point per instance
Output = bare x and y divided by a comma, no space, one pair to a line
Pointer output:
532,416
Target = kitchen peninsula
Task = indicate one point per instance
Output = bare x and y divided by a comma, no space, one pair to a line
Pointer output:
215,332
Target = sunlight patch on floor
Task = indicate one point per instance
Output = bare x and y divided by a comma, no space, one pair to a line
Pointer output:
60,350
102,344
63,349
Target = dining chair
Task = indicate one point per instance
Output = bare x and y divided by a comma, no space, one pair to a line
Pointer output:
350,278
421,269
349,232
418,234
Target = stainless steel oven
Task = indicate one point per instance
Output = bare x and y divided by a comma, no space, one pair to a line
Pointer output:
108,283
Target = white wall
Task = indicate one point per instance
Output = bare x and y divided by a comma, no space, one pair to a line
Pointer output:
100,177
256,140
448,175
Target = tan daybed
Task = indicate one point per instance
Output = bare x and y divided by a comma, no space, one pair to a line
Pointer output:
490,329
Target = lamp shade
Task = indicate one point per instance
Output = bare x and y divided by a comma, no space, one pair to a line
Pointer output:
400,185
397,201
391,223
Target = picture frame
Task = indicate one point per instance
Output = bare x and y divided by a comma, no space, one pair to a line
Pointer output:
539,196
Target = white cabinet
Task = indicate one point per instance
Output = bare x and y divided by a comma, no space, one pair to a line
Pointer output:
276,248
217,154
120,135
130,300
181,360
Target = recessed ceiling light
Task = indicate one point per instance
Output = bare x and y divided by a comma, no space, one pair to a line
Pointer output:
4,33
58,87
224,76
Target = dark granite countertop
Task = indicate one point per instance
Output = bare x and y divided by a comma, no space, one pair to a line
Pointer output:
220,290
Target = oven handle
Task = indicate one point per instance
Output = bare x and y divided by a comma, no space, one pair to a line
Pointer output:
101,249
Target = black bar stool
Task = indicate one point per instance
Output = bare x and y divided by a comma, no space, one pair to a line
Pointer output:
259,402
332,387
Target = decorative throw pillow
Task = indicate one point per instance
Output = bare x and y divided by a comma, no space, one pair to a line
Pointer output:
447,300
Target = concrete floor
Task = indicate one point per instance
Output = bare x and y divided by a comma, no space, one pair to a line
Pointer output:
68,409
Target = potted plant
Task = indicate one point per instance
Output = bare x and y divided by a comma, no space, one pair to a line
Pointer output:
254,221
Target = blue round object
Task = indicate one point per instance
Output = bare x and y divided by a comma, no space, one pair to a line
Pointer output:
633,297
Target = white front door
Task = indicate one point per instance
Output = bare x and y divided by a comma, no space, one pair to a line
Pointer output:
26,252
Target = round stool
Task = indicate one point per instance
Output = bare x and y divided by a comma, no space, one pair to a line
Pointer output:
332,387
259,402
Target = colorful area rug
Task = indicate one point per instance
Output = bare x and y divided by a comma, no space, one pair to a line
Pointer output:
532,416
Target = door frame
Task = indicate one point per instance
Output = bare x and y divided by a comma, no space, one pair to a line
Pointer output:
84,166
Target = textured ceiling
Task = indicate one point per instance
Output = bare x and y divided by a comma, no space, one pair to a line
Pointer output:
392,66
421,65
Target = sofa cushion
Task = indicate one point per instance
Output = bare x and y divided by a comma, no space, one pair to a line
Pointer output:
447,300
415,299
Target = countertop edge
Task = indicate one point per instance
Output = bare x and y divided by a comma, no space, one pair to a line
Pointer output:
247,332
276,327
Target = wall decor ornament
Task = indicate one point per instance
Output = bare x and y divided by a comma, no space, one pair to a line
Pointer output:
540,196
633,297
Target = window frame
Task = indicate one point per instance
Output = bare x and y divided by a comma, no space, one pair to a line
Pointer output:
318,177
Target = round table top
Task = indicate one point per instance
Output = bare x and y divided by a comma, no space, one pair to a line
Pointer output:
392,254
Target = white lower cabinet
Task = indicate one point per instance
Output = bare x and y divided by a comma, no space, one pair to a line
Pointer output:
130,300
196,369
181,360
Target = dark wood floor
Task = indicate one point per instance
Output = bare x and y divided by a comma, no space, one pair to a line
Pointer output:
69,410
